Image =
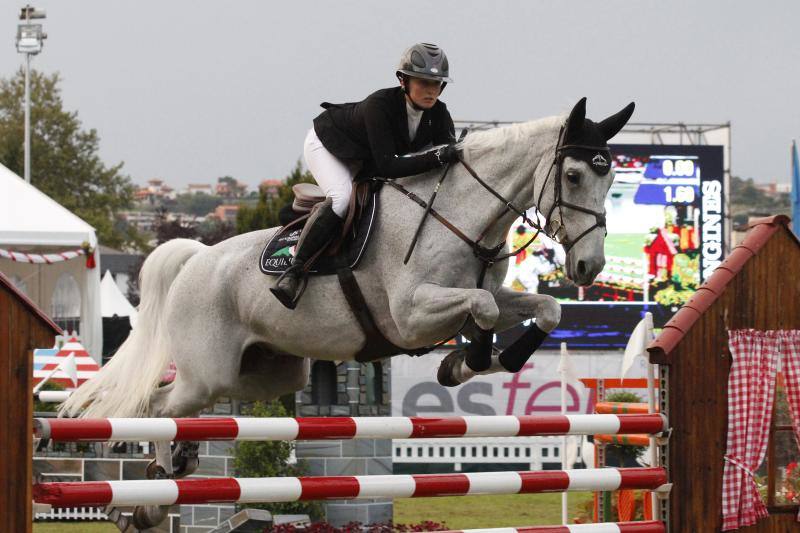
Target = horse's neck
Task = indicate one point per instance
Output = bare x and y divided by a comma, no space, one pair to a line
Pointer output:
515,170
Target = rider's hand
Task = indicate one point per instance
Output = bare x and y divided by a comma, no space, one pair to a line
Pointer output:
448,154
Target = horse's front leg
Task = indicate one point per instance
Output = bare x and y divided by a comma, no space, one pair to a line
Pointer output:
434,309
515,307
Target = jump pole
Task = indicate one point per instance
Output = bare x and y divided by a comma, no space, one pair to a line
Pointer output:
289,489
606,527
265,429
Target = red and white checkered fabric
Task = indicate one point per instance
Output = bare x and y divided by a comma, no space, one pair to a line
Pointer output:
790,364
751,393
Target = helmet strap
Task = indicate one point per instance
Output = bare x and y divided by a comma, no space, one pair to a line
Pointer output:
404,78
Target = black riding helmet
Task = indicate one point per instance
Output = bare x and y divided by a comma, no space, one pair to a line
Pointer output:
424,60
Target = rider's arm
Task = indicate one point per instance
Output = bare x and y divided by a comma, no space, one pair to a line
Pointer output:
384,151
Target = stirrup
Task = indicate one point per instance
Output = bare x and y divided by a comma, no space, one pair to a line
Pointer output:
283,298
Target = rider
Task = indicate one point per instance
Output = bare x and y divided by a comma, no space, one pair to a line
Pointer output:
372,138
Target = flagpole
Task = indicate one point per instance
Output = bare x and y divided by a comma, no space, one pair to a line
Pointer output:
651,405
52,373
562,371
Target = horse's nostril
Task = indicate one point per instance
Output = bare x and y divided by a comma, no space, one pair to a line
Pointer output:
582,267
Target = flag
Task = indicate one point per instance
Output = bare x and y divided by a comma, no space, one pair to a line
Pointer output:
795,190
637,344
70,368
567,370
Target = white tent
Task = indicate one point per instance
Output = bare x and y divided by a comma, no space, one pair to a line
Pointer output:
33,223
112,301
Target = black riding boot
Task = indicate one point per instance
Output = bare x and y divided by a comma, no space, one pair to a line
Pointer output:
319,230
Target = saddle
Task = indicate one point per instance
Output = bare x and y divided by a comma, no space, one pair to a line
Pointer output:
339,257
345,250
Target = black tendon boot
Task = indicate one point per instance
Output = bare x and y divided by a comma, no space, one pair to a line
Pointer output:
318,231
515,356
479,351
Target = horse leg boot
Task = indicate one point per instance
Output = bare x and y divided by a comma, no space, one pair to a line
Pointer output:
318,231
515,356
460,365
515,306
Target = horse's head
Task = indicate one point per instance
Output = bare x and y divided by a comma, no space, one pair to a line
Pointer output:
573,194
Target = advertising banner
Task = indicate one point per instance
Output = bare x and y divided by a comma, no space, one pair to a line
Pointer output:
536,389
665,221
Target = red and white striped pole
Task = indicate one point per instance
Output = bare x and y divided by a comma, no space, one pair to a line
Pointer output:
288,489
620,527
199,429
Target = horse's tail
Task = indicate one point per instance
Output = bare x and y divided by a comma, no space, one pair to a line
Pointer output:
124,385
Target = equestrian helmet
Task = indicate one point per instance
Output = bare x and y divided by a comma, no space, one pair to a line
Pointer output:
424,60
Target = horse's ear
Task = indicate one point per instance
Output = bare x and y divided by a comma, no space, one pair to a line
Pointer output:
611,126
575,120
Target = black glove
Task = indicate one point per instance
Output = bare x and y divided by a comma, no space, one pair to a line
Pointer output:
448,154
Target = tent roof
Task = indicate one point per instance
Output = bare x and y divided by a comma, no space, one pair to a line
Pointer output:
112,301
30,217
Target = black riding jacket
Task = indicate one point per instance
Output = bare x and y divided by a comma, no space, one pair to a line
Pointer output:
374,131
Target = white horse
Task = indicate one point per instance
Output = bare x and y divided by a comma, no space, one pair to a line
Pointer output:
208,308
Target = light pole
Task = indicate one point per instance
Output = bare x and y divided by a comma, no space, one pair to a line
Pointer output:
30,39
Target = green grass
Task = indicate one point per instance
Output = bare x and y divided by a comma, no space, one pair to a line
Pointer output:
74,527
625,245
464,512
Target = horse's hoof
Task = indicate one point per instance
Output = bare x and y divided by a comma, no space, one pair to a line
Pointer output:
184,459
124,523
450,362
155,471
149,516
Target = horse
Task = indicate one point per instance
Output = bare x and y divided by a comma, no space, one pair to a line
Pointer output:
209,310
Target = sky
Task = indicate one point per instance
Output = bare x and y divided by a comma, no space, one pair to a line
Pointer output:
190,90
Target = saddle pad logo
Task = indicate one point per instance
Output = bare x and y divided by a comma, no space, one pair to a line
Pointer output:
599,160
286,251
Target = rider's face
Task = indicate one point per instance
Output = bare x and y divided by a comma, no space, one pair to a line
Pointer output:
423,92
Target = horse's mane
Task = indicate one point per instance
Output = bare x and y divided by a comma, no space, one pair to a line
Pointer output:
486,140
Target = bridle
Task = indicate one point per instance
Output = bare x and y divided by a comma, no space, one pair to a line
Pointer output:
490,256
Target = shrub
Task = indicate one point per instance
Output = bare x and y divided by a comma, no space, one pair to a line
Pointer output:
271,459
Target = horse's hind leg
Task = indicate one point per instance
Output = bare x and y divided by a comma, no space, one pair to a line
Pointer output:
175,400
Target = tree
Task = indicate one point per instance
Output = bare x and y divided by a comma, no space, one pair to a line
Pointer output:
747,199
65,163
271,459
265,214
199,204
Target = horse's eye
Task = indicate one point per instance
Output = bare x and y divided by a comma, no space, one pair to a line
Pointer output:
573,177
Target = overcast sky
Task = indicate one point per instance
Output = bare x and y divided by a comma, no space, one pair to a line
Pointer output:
191,90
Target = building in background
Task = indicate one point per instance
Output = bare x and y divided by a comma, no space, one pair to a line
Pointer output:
270,188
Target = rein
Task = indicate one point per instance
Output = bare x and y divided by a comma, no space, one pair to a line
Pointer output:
490,256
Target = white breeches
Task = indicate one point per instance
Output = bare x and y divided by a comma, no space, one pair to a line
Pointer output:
333,176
